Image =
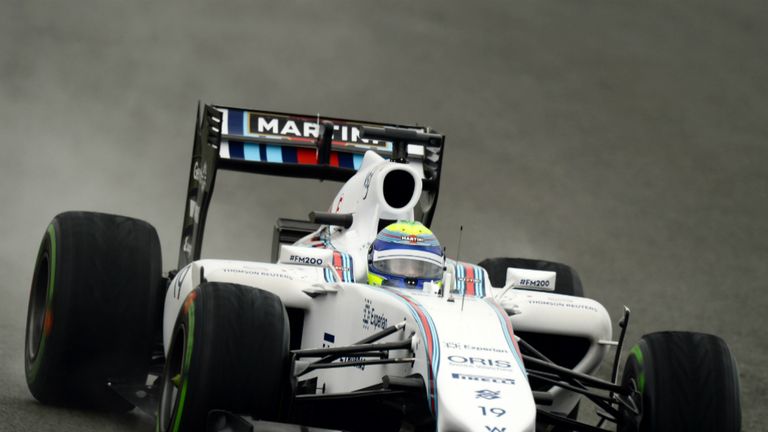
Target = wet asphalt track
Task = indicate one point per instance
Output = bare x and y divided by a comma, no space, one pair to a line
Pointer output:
626,138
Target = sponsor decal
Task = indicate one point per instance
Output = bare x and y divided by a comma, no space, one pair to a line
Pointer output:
483,378
367,183
564,304
479,362
328,341
531,279
372,319
187,248
259,273
180,281
263,124
496,411
539,283
495,429
488,394
411,239
194,210
353,359
306,260
200,174
468,347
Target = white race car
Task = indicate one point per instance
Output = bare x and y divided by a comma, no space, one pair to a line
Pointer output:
360,322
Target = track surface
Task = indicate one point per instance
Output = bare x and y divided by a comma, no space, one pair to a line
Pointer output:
626,138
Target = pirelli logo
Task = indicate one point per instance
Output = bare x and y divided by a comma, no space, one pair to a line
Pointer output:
483,378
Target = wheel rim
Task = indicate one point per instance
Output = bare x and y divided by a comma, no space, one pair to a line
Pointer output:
37,307
172,379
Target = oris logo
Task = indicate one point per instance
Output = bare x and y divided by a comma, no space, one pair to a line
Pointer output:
306,260
479,362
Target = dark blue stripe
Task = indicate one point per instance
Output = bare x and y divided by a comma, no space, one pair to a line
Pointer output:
289,155
480,284
382,246
346,161
236,150
263,152
235,122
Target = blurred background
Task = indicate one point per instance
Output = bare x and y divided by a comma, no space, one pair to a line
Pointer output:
625,138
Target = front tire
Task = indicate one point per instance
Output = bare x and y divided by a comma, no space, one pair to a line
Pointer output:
685,382
93,309
229,350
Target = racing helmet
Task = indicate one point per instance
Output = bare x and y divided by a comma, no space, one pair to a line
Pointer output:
405,254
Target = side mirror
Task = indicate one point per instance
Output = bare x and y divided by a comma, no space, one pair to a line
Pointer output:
538,280
448,284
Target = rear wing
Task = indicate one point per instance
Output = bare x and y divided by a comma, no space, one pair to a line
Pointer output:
292,145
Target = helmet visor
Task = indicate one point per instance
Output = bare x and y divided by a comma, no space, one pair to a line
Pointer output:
410,268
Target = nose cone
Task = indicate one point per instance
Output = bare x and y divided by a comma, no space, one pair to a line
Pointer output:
486,408
476,378
481,381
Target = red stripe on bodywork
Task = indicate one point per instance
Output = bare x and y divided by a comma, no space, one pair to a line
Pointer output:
334,159
469,280
338,264
508,322
306,156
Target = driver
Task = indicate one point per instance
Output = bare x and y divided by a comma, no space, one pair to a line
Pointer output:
405,254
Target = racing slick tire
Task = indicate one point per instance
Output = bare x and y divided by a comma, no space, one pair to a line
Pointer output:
568,281
230,351
93,309
685,382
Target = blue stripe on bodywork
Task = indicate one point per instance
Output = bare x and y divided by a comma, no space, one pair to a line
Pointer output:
289,155
263,153
346,262
479,281
345,160
460,283
235,122
274,154
382,246
328,273
434,356
236,150
252,152
357,161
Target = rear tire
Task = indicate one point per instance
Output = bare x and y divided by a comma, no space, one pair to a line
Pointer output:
685,382
93,309
567,282
229,350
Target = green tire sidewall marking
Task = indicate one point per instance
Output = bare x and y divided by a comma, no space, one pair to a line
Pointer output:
48,301
185,368
638,353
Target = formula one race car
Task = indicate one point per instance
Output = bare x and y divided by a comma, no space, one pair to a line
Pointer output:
358,323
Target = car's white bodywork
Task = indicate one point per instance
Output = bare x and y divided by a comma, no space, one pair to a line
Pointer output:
464,347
